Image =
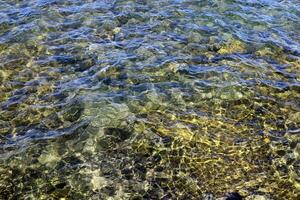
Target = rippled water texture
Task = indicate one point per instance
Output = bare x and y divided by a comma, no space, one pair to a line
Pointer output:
149,99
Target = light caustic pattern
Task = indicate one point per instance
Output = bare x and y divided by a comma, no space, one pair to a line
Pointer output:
160,99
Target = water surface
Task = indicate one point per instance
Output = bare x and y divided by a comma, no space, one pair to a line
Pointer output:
149,99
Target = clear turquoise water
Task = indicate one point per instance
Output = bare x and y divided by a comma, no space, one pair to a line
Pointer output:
160,99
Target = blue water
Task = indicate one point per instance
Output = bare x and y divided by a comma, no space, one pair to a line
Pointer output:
160,99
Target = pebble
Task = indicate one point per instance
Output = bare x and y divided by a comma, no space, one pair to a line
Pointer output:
256,197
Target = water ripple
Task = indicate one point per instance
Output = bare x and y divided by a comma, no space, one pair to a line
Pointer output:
176,99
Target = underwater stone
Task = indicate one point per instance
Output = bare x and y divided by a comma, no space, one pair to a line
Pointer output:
52,121
73,111
194,37
231,95
106,143
49,158
85,64
256,197
127,173
123,18
108,115
109,25
234,46
137,197
117,30
145,51
208,197
4,127
109,190
195,48
98,182
234,196
122,134
96,48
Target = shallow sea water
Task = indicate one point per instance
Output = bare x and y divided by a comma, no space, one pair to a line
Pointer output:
149,99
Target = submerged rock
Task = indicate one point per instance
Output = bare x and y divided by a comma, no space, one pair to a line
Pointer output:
234,196
121,134
52,121
234,46
72,111
108,115
5,127
256,197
